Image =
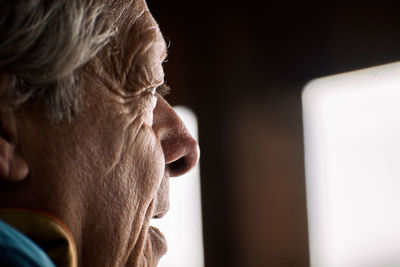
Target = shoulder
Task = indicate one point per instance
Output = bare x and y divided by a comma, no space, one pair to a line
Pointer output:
18,250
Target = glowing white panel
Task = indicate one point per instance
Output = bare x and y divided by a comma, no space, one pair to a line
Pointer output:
182,225
352,154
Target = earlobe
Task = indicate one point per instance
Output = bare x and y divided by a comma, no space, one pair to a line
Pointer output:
12,166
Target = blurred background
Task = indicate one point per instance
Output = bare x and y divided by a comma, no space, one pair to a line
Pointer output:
241,66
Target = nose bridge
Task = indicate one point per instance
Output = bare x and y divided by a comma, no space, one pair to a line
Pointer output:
181,151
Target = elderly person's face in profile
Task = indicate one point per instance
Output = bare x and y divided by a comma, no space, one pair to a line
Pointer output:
104,173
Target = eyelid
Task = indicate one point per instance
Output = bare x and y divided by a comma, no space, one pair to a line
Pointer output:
151,91
161,90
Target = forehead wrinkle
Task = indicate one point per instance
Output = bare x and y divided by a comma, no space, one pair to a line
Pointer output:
126,11
158,36
138,34
146,56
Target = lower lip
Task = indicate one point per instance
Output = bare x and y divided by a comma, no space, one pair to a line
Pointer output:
158,241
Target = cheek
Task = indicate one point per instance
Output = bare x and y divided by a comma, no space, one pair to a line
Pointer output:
146,166
147,110
127,156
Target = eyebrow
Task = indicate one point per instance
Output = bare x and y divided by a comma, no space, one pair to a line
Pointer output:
165,51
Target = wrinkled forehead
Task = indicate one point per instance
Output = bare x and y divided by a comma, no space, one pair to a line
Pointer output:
125,13
133,17
138,47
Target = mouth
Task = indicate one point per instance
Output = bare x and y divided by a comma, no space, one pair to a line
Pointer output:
158,240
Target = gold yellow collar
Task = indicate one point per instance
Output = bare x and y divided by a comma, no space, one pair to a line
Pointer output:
46,231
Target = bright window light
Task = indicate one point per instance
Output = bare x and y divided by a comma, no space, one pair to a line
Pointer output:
182,225
352,145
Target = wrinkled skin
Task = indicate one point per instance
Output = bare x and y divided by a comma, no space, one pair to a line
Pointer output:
105,174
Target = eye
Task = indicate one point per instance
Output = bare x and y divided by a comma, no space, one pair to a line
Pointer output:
162,90
150,91
153,90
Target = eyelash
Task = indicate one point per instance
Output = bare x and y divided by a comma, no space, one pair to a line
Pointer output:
162,90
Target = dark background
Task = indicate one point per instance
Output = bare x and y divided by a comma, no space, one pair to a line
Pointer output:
241,66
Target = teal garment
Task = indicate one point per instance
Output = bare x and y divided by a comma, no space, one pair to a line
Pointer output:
17,250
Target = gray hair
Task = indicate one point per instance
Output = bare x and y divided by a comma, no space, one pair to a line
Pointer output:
43,44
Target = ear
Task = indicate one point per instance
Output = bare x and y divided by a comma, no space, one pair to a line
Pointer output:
12,166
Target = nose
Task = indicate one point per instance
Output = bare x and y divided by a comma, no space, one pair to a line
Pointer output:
181,151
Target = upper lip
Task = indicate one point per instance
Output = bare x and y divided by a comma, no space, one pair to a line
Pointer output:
161,209
159,214
162,199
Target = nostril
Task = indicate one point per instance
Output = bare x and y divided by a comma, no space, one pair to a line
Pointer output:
182,159
177,167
